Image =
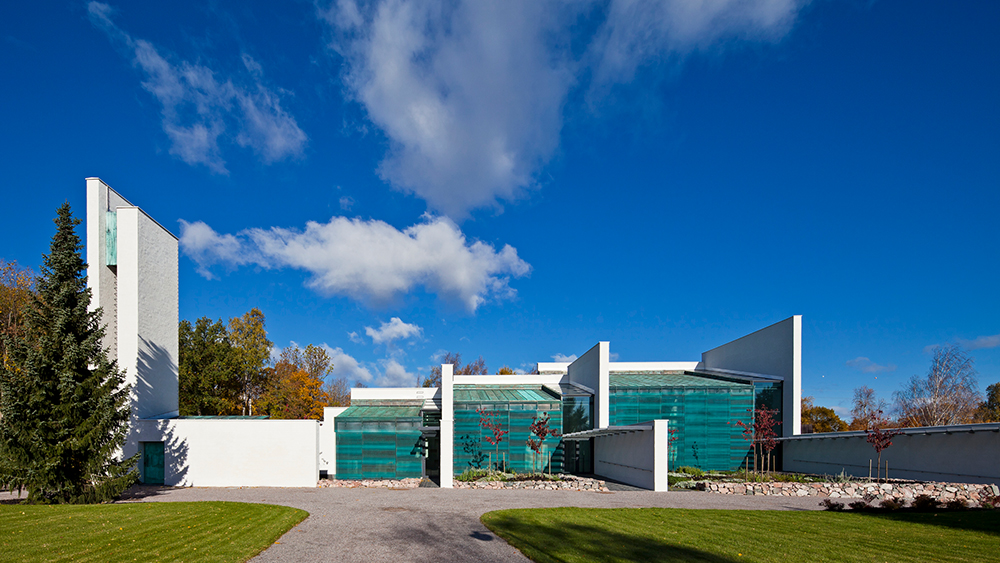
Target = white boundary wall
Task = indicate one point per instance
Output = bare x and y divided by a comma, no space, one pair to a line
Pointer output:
959,456
639,458
233,453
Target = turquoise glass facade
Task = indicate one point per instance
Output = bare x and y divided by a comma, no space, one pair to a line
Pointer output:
578,415
514,408
379,442
703,412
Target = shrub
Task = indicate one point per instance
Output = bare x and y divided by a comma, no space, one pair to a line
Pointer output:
692,471
989,500
926,502
476,474
892,503
859,505
958,504
833,505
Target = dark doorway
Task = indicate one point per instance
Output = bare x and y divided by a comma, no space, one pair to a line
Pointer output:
152,463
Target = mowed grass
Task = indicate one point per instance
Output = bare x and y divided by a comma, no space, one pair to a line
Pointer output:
154,531
665,534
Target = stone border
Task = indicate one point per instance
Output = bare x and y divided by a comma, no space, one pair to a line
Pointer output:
569,483
943,492
409,483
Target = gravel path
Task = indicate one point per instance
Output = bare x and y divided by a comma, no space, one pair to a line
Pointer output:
429,524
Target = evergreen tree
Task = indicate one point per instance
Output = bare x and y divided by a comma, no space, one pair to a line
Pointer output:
209,385
65,406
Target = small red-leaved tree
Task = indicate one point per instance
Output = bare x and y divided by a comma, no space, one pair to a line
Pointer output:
539,428
490,421
880,437
672,438
766,435
760,432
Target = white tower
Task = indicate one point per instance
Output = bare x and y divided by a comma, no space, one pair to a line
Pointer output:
132,275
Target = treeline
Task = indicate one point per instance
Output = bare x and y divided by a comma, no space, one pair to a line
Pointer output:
17,291
225,369
949,394
477,367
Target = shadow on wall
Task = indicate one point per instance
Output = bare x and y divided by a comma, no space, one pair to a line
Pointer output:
155,388
175,448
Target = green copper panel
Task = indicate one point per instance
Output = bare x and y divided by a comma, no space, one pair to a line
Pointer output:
514,408
379,442
702,411
111,238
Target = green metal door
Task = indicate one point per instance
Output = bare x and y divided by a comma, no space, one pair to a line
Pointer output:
152,463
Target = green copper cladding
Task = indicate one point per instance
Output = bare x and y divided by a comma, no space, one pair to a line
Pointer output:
514,407
111,238
379,441
702,410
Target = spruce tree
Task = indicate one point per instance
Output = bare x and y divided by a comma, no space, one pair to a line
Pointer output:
65,406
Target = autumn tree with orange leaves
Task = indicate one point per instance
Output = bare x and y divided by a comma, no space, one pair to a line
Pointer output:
296,387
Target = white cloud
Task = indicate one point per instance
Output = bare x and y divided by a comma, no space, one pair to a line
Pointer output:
865,365
381,373
346,203
467,94
981,343
471,94
395,375
344,365
395,329
199,108
638,33
368,260
564,358
354,337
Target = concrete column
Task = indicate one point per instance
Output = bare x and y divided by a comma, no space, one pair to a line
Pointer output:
127,315
603,385
447,426
661,454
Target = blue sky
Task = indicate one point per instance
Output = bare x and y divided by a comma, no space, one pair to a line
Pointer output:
523,181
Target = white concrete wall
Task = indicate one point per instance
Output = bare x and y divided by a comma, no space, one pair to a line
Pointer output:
447,432
148,312
652,366
233,453
639,458
552,367
395,393
328,440
545,379
774,350
960,457
591,370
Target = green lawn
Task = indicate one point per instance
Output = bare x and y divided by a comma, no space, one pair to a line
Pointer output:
153,531
666,534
